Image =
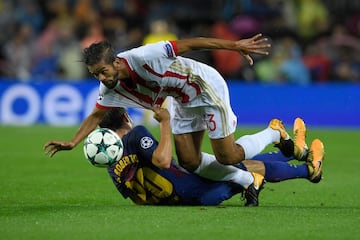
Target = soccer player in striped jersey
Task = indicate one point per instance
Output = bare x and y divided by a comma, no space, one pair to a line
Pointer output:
148,174
145,76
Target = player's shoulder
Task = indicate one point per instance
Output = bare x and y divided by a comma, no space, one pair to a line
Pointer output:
144,48
140,129
140,136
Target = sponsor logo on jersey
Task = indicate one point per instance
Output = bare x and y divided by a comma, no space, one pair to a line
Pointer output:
169,50
146,142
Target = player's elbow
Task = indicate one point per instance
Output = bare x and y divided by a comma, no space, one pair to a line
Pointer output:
165,164
162,162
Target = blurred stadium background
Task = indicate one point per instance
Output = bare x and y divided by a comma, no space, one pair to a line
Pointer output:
313,70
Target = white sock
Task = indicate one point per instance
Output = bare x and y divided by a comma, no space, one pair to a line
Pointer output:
210,168
255,143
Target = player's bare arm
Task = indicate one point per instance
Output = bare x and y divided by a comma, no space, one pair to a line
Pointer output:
163,153
89,124
254,45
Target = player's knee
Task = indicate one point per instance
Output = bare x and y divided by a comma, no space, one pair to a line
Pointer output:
229,159
190,163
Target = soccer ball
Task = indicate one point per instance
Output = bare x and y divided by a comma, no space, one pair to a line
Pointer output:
103,147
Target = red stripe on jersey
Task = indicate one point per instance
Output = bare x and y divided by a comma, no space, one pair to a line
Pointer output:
185,97
148,68
135,78
137,102
137,94
139,80
103,107
194,85
175,75
176,171
174,46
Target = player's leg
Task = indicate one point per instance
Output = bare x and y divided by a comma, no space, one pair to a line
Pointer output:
277,171
211,169
272,156
214,106
300,147
230,151
188,129
188,147
214,193
273,171
187,121
252,182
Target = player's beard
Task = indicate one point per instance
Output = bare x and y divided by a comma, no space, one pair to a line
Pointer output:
111,83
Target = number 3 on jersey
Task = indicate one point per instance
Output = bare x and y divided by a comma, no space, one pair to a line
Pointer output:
211,124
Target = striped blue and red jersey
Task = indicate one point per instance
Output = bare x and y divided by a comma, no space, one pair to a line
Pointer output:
135,177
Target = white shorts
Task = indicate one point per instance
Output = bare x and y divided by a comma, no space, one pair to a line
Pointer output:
211,110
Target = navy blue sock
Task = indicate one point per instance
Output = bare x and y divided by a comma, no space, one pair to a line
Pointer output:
272,156
280,171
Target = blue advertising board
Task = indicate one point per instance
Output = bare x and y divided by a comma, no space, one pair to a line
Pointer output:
64,103
332,105
51,103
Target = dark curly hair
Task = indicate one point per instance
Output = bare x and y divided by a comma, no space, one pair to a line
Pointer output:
97,52
113,119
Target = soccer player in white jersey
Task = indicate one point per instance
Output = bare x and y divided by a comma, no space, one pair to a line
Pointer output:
145,76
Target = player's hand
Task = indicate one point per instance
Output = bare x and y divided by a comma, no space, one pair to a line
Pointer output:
53,147
161,114
254,45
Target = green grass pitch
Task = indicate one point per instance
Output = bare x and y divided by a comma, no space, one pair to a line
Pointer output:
66,198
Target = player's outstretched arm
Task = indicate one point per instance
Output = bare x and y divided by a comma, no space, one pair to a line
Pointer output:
88,125
254,45
163,153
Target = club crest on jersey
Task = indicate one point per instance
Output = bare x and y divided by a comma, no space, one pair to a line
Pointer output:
169,50
146,142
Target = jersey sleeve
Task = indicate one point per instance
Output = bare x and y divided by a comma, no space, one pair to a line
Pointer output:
158,56
164,49
174,47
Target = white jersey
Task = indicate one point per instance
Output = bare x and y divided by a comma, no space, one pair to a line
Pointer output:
157,72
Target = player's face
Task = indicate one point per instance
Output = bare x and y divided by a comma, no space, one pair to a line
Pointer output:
106,73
